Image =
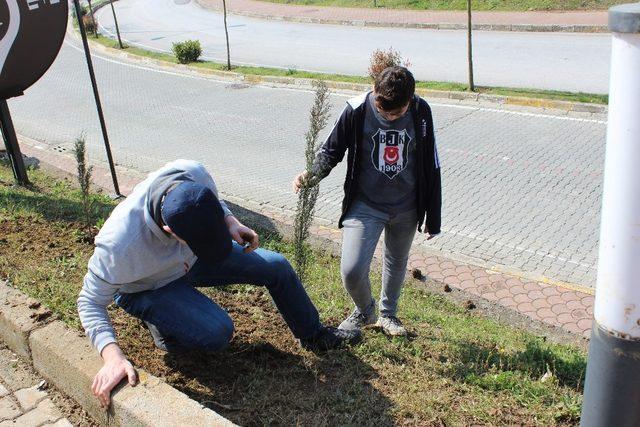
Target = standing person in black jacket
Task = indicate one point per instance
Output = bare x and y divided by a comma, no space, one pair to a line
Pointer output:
392,184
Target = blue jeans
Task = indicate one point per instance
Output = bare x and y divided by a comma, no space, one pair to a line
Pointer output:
181,318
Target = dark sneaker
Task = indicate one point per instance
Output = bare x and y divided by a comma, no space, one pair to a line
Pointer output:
358,319
391,325
329,338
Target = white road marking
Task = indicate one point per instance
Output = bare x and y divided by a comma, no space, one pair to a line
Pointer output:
521,113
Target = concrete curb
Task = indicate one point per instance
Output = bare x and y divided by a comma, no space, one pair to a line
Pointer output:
67,360
539,28
551,28
19,316
343,87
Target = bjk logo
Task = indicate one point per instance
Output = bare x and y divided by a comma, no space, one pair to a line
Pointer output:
390,148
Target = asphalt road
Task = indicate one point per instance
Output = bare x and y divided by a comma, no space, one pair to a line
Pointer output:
521,189
560,61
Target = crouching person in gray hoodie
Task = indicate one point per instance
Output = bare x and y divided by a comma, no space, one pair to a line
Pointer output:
170,235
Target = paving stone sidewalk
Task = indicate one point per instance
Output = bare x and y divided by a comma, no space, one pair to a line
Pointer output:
24,400
572,21
556,305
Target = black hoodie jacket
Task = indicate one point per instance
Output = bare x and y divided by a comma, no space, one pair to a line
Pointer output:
346,136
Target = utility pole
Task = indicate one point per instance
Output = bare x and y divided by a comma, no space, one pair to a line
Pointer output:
472,86
612,386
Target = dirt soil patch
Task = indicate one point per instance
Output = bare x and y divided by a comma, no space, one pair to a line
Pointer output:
456,368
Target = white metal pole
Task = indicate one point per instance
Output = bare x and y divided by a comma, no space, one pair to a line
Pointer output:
617,305
612,388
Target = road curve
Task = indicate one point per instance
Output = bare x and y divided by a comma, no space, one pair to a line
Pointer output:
558,61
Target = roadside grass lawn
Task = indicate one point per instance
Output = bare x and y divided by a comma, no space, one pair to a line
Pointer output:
433,85
512,5
456,368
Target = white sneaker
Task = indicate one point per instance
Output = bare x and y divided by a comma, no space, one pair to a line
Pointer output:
391,325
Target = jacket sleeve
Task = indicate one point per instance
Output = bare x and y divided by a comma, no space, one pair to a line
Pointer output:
93,300
434,197
107,271
96,294
332,151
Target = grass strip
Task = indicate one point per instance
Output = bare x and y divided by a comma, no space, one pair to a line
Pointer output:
294,73
480,5
457,368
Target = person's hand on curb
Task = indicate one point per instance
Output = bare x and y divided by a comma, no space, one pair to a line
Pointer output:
299,181
116,368
242,234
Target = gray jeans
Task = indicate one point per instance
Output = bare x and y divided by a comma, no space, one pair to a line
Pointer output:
363,226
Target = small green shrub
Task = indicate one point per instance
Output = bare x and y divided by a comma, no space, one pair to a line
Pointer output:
308,194
187,51
84,178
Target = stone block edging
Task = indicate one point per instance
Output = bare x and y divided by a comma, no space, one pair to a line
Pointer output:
68,361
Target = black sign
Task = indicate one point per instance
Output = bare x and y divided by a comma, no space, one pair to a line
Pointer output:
31,33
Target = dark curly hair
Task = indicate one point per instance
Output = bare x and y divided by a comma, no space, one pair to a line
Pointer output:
394,88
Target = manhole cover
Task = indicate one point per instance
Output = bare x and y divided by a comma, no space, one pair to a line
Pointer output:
60,149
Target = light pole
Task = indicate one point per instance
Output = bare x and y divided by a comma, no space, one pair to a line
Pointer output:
612,387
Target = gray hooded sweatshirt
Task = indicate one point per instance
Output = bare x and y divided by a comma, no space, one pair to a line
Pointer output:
133,254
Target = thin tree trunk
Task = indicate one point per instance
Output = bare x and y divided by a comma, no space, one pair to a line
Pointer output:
472,86
95,26
226,33
115,19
